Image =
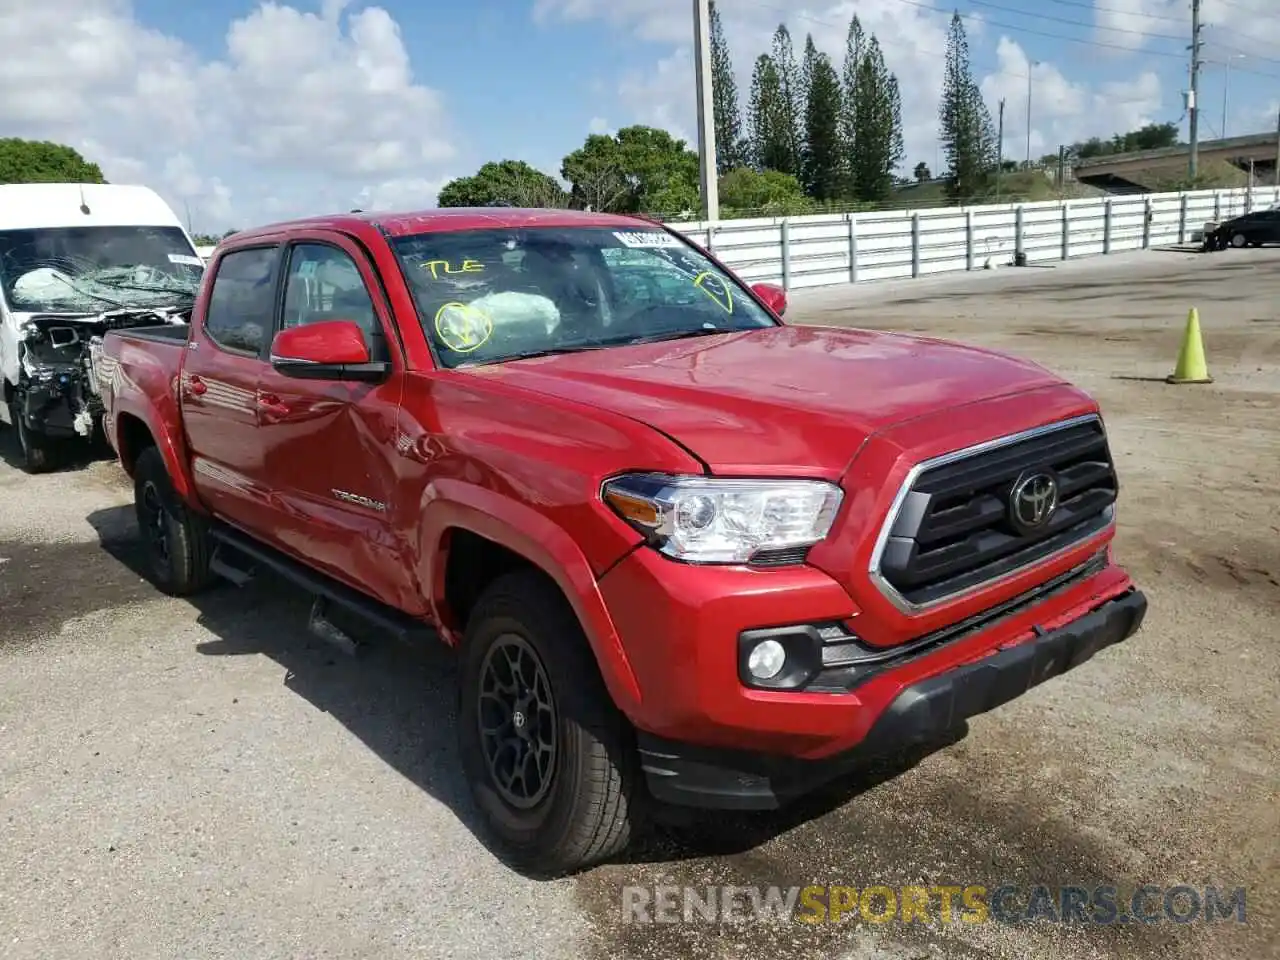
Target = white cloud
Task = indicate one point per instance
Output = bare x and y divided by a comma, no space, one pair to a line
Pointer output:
599,125
914,43
302,112
1063,111
913,40
1248,26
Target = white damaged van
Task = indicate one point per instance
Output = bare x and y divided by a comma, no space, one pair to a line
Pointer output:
77,260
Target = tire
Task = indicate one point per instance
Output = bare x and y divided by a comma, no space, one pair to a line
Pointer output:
582,812
175,541
39,452
1239,241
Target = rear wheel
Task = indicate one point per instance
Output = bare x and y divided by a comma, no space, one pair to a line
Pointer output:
175,541
547,755
38,451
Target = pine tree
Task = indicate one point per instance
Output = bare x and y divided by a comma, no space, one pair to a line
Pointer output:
724,92
772,142
790,82
807,64
877,128
967,133
823,146
855,44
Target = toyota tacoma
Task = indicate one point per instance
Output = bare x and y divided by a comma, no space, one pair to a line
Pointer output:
688,553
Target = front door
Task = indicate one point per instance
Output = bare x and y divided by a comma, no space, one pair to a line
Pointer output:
329,446
226,355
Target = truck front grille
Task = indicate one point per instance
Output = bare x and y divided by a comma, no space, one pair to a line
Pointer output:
977,515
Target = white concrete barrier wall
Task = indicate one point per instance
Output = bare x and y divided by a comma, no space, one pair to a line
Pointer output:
798,252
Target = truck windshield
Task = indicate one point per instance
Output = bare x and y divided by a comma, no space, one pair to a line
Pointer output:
93,269
491,295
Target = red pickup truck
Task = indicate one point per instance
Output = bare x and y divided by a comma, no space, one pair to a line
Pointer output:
688,553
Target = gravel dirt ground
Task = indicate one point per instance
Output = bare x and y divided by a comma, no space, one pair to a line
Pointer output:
204,779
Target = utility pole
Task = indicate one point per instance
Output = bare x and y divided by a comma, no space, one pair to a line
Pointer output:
1193,108
1275,176
1226,90
706,108
1000,150
1030,65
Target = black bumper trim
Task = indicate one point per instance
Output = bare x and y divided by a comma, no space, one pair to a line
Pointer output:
925,712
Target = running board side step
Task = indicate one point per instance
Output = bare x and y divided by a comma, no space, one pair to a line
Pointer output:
237,554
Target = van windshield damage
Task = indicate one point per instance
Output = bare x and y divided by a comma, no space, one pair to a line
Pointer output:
66,286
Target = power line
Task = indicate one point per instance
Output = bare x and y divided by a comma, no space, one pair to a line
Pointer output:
1073,23
985,66
1083,4
1181,21
1080,40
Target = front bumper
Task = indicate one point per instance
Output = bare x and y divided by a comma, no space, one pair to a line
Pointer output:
924,712
57,406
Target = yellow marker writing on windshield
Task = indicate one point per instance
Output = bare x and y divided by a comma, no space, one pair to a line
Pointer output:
715,288
462,327
437,266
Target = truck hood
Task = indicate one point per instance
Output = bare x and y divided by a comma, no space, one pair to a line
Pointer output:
781,400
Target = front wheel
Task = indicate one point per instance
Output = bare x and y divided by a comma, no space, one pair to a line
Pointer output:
547,755
175,541
37,450
1239,240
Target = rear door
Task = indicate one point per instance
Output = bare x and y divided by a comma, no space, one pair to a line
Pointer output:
225,358
329,446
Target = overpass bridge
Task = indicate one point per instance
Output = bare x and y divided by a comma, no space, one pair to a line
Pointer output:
1116,173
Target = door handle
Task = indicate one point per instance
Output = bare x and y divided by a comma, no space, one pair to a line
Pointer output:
196,385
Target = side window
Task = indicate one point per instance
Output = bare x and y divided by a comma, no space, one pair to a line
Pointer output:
242,301
323,283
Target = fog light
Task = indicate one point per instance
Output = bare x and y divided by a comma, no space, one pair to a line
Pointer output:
766,660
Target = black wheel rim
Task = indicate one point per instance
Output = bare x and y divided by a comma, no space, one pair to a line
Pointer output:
155,527
517,720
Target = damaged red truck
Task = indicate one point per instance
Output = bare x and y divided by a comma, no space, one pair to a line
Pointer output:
688,553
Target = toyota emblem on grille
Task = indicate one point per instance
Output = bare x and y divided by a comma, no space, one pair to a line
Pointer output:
1033,500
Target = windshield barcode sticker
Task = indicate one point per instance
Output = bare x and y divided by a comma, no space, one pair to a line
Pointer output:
654,239
186,259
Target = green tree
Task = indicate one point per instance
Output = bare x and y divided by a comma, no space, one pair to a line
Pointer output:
922,172
730,146
638,170
773,146
823,173
511,182
967,133
40,161
877,127
1153,136
762,193
854,51
791,96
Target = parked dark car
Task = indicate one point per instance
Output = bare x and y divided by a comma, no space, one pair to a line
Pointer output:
1250,230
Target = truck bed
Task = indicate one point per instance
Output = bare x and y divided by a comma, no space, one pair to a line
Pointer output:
133,369
161,333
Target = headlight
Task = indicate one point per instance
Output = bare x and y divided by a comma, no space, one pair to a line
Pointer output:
711,520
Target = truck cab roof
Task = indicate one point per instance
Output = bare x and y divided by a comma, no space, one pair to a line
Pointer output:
401,223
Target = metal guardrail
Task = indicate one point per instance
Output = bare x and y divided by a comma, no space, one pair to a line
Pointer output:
798,252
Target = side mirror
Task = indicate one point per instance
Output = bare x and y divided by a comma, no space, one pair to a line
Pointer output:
326,350
774,297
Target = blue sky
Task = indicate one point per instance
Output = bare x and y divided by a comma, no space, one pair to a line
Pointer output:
244,112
